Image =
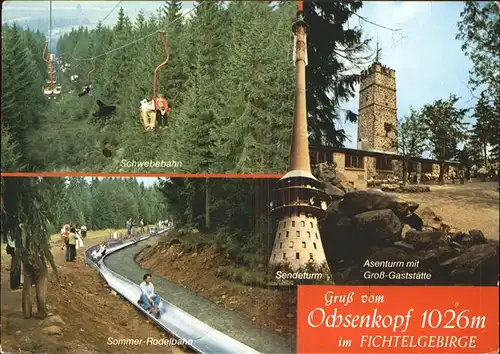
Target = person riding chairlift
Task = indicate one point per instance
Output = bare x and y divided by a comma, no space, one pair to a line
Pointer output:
162,112
148,116
86,91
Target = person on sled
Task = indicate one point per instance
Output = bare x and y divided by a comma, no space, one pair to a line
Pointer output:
149,301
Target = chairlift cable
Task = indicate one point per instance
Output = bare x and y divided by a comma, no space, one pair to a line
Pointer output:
99,22
139,39
116,49
114,8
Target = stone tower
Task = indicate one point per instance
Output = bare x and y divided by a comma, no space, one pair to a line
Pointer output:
377,119
300,200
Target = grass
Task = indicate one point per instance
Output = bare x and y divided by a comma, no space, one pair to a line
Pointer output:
91,234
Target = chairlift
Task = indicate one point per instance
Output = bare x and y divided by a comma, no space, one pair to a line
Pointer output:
49,91
87,90
148,107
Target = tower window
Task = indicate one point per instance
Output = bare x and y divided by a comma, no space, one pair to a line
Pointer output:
279,235
308,234
287,234
298,233
274,256
354,161
303,245
311,256
291,244
303,223
284,224
281,244
312,225
284,255
297,255
293,223
315,234
314,245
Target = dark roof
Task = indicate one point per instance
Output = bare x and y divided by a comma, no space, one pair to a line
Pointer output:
374,153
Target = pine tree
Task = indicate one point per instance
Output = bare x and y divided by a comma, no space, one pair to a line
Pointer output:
21,83
332,48
411,139
446,128
482,130
257,81
172,12
478,30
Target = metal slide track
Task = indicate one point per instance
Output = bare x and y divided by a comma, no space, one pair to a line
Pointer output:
191,331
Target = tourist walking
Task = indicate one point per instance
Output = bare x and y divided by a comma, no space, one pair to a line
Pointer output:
83,231
72,244
79,241
128,226
142,226
65,241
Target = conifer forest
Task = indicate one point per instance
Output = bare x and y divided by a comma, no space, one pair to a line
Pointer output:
229,83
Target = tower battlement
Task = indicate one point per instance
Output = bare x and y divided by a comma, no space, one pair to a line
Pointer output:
378,68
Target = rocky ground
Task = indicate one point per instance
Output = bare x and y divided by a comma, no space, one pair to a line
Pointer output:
84,314
399,188
376,226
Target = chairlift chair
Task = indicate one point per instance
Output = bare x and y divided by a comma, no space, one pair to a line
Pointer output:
89,87
147,116
49,91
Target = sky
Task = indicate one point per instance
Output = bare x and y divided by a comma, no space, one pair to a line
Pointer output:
428,61
95,11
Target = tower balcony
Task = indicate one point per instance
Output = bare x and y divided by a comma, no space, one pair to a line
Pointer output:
298,208
299,193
